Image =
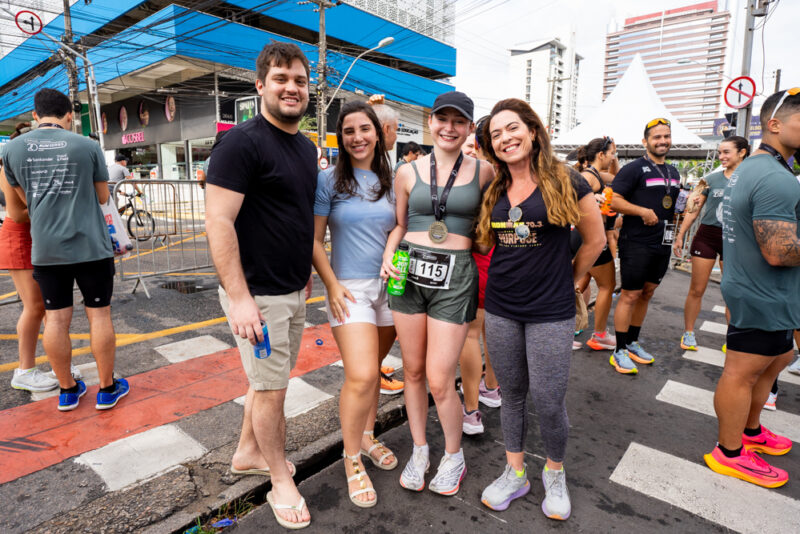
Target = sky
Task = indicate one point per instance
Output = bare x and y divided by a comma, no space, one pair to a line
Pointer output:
484,34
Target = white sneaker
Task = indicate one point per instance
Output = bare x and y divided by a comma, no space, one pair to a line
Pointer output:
413,477
448,477
794,368
556,503
32,380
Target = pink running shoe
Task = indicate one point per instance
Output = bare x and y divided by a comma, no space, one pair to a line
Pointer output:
749,467
767,442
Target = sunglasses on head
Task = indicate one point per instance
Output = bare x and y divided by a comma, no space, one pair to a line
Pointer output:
659,120
786,94
607,142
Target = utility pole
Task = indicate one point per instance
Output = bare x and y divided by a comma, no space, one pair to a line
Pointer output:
777,80
322,80
72,69
755,8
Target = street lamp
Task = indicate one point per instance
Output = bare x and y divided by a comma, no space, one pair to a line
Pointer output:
386,41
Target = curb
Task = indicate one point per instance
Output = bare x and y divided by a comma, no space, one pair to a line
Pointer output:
310,460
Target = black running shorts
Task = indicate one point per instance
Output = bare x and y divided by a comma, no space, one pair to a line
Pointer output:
95,280
761,342
707,242
639,264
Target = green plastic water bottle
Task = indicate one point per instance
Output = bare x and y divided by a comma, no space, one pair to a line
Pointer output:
400,262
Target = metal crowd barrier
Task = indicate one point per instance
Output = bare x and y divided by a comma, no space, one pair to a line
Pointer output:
165,220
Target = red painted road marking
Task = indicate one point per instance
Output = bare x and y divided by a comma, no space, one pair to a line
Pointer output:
37,435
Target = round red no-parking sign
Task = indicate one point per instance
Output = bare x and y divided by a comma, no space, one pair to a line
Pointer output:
740,92
28,22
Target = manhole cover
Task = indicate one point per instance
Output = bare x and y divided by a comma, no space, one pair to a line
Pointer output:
187,286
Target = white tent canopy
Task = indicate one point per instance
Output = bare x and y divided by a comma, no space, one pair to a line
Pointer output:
632,104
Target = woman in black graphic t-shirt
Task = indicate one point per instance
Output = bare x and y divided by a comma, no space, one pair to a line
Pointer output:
530,297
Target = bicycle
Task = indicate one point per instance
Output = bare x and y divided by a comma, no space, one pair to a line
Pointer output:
141,224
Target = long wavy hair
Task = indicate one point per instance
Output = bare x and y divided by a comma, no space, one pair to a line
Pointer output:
552,175
344,179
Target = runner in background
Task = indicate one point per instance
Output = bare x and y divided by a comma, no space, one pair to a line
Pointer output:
530,293
438,197
389,123
760,214
475,387
706,246
594,159
70,241
15,255
411,152
645,191
354,199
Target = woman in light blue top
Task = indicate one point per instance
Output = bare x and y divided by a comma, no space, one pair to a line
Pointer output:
354,200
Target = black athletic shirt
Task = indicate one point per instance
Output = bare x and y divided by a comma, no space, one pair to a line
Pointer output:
639,183
530,280
277,173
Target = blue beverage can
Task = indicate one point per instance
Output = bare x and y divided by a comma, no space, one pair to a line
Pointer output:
263,348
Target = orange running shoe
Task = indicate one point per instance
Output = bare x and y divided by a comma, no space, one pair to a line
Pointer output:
749,467
388,371
391,386
767,442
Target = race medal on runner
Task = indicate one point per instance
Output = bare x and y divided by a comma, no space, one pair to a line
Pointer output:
437,231
666,202
523,231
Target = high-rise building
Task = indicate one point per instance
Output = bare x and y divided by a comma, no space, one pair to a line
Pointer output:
432,18
545,74
684,52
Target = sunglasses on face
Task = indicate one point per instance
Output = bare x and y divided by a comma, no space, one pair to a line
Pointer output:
607,142
658,121
786,94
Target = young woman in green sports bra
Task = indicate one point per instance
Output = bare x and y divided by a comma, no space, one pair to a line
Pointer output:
432,316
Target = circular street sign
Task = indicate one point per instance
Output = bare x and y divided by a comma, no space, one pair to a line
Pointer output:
323,163
28,22
740,92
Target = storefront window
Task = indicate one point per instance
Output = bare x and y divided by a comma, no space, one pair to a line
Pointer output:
200,150
173,161
141,161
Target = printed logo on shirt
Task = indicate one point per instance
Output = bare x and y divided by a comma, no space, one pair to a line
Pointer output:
647,168
718,193
659,181
35,145
507,235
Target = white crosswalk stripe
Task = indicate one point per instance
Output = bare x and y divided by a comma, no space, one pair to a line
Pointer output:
301,397
717,357
141,456
695,488
718,309
702,401
716,328
191,348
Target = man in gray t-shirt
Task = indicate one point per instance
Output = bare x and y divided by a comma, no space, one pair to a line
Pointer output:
62,178
117,171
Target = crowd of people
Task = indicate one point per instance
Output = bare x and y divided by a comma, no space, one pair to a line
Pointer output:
503,239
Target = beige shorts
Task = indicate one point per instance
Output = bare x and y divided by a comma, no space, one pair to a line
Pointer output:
286,316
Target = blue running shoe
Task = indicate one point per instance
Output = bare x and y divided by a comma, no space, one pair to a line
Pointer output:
69,401
688,341
638,354
106,401
622,363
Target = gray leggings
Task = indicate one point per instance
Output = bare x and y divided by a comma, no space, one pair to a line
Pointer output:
532,357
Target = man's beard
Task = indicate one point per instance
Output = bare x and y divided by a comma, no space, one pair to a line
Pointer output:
288,118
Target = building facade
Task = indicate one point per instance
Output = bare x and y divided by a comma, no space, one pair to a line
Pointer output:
545,74
170,76
684,52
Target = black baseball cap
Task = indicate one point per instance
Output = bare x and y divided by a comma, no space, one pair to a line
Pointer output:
121,157
456,100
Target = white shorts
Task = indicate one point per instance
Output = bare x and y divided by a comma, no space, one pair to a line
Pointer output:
371,306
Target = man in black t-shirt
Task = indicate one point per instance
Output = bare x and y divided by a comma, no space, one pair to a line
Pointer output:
645,191
259,217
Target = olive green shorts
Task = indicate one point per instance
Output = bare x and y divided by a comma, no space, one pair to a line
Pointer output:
458,304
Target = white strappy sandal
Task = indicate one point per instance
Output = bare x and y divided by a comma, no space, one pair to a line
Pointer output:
358,475
385,453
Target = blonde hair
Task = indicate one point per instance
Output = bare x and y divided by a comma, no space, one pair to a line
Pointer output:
552,175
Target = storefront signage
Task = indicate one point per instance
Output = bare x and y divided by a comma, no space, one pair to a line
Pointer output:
133,137
246,108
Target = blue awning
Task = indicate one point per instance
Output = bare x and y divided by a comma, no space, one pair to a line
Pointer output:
176,31
353,25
